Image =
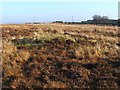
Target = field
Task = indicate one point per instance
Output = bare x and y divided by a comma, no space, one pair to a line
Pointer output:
60,56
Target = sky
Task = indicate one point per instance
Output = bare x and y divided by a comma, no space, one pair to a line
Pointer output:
23,12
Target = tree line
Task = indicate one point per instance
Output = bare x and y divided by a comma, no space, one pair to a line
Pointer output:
97,19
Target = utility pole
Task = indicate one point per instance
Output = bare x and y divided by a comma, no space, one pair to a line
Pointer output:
72,19
34,19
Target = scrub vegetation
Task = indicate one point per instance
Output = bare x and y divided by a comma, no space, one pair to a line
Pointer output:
60,56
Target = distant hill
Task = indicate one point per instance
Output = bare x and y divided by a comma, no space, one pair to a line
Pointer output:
97,22
101,22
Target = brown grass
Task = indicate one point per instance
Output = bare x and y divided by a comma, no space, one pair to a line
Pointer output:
60,56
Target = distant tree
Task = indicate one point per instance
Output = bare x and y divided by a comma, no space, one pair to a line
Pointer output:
97,17
58,22
105,17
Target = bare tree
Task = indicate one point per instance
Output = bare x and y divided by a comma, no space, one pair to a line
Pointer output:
97,17
105,17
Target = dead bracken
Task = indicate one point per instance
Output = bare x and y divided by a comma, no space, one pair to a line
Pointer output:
51,56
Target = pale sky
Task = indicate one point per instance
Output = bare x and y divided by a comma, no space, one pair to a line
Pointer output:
22,12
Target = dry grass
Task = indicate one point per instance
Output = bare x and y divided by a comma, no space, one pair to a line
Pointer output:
60,56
